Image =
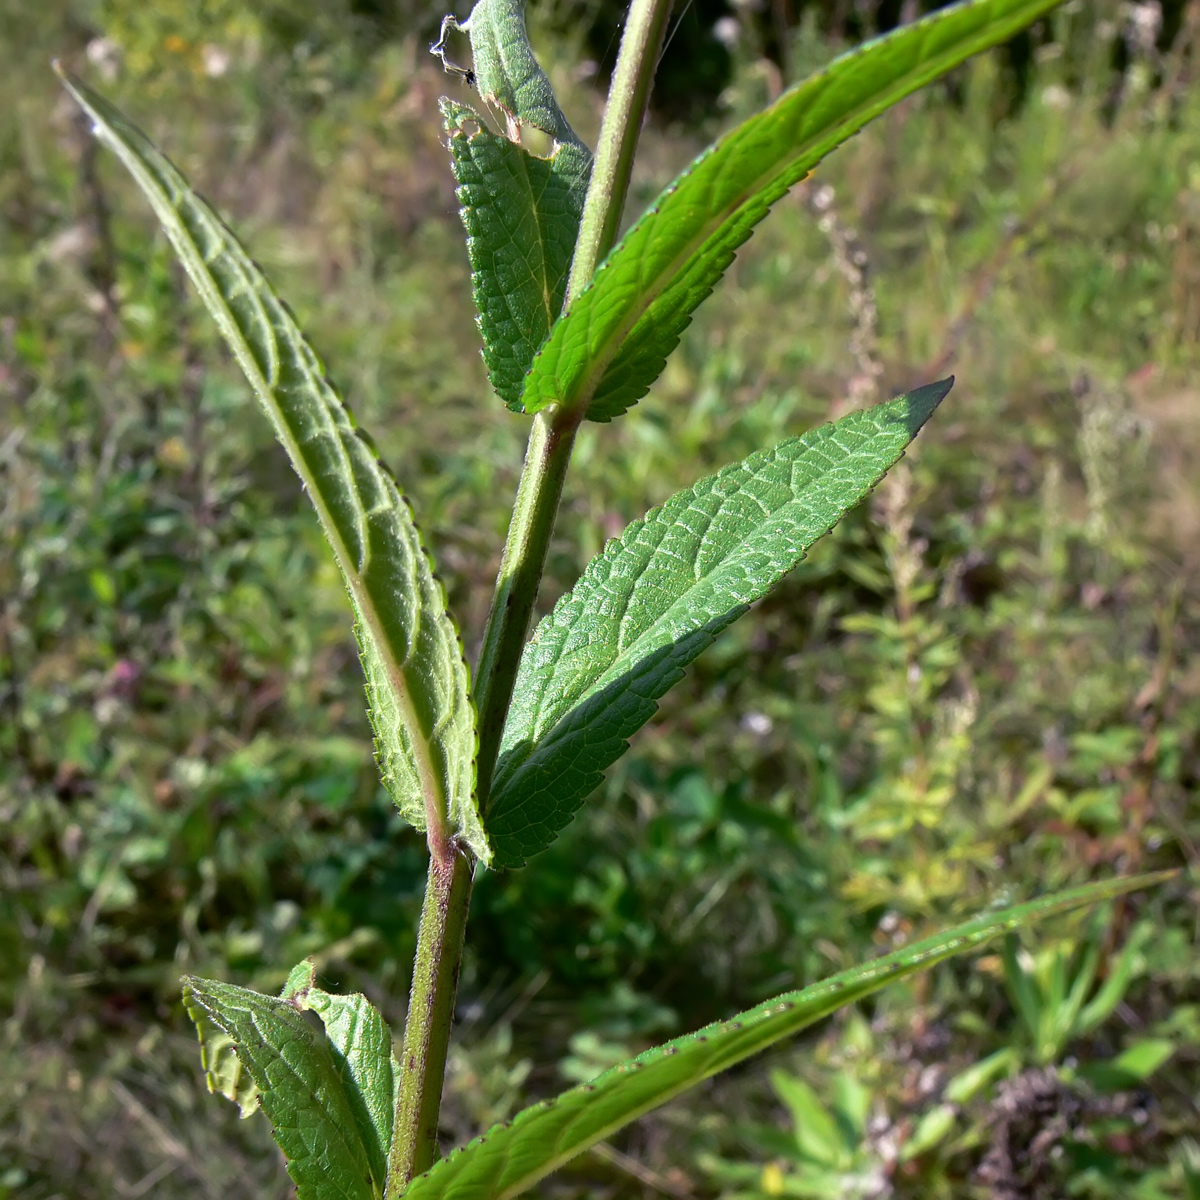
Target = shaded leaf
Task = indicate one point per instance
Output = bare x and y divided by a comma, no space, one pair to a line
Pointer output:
223,1070
362,1053
522,217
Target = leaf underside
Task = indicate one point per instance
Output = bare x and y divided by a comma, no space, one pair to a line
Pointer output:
512,1157
300,1087
522,217
411,654
223,1070
508,74
658,595
613,342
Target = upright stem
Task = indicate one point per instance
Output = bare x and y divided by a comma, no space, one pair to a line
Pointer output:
627,100
553,435
448,891
430,1012
529,530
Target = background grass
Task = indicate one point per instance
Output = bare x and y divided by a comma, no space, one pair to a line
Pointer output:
982,686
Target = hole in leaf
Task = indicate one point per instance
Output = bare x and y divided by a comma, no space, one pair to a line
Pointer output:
537,141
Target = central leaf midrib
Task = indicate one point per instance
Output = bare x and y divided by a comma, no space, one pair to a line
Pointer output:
683,605
539,225
427,774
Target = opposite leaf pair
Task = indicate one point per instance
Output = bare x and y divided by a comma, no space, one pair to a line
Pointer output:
327,1098
600,356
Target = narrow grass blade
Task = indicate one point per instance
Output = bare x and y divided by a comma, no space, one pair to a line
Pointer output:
512,1157
612,344
412,659
300,1088
658,595
522,216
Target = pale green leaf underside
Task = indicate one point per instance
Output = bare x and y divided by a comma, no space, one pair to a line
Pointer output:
658,595
416,677
611,345
300,1088
223,1070
512,1157
508,74
522,216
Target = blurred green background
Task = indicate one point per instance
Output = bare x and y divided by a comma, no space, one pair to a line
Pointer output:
984,685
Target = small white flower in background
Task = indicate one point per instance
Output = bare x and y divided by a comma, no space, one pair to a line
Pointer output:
728,31
757,723
1056,96
1145,20
105,55
73,242
216,60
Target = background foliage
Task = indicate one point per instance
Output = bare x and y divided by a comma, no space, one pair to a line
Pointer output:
983,685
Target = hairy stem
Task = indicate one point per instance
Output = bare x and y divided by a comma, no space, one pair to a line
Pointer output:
553,435
430,1013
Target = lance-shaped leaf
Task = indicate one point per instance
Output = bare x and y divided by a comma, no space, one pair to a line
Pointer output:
301,1089
512,1157
412,660
658,595
522,216
611,345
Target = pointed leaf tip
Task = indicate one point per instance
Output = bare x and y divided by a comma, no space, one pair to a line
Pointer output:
412,659
660,594
513,1157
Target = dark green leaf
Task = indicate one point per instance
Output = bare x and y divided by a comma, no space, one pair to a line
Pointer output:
362,1053
522,215
658,595
300,1088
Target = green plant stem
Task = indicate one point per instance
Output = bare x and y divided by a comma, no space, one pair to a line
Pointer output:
626,109
538,493
552,437
430,1013
448,891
